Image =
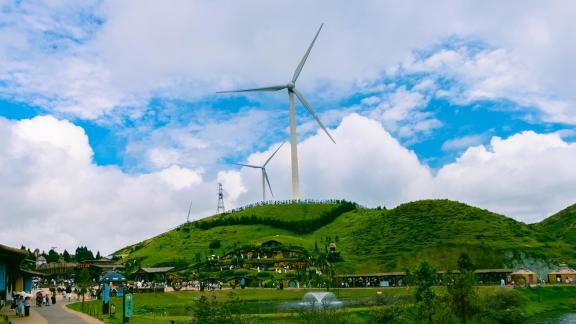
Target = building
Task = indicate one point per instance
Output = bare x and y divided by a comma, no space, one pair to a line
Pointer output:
40,260
524,276
11,278
152,274
562,274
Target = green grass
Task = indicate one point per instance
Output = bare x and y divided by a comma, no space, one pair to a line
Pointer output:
261,305
377,240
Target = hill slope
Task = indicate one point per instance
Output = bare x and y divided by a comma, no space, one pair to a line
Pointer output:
368,240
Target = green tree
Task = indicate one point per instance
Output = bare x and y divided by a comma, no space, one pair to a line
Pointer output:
66,256
52,256
82,254
84,283
464,263
424,277
461,290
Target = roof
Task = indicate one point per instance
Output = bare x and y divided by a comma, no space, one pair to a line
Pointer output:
156,270
32,272
382,274
563,269
523,272
113,276
493,271
5,249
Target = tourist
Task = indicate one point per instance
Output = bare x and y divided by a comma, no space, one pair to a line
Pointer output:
21,306
27,306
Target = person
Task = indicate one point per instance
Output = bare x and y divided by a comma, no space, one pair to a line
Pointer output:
68,292
27,303
21,306
53,299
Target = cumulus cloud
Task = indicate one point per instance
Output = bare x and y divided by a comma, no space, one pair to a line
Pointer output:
52,194
527,176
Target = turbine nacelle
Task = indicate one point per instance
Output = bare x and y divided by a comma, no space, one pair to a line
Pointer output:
291,86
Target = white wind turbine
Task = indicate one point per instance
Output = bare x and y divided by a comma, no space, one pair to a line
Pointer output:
264,174
291,87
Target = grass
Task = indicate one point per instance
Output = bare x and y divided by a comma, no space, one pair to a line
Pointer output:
372,240
261,305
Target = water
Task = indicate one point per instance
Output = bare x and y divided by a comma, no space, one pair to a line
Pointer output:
556,319
320,299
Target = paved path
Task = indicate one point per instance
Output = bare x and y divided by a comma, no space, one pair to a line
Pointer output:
34,317
60,314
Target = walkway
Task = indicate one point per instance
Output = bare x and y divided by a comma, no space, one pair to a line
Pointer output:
34,317
60,314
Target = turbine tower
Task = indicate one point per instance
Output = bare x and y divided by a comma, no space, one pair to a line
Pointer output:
264,174
291,87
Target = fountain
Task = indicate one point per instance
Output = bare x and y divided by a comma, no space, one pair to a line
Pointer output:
320,299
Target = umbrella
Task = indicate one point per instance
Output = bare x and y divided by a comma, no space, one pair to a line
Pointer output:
113,276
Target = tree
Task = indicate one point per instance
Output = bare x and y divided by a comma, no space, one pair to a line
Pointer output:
462,293
424,277
464,263
98,255
52,256
82,254
83,282
66,256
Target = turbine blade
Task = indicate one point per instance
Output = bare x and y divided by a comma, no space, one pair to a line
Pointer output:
311,111
268,182
272,88
271,156
248,165
303,61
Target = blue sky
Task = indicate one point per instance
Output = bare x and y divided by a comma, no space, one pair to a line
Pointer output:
116,102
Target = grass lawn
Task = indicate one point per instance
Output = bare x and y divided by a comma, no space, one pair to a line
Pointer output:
264,305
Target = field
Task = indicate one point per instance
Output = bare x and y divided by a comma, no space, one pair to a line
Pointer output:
266,305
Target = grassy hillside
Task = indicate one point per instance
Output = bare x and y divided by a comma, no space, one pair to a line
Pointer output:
368,240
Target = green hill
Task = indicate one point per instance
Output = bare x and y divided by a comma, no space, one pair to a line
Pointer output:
561,229
368,240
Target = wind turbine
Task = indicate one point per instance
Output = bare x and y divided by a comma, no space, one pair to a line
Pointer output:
264,174
291,87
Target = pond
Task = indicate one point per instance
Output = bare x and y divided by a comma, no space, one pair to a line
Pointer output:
554,318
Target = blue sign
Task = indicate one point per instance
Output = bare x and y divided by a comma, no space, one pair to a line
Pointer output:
2,277
106,296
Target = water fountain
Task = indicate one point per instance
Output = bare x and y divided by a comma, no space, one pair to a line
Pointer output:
320,299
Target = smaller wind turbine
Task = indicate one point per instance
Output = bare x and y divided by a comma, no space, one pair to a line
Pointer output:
264,174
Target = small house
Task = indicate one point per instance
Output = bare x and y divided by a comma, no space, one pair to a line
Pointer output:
524,276
562,274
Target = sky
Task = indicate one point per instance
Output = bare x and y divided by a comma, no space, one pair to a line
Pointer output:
110,124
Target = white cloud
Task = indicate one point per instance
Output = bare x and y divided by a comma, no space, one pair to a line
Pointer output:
462,142
52,193
489,74
94,58
528,176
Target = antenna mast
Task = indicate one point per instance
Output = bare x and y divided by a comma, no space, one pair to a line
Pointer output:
220,208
